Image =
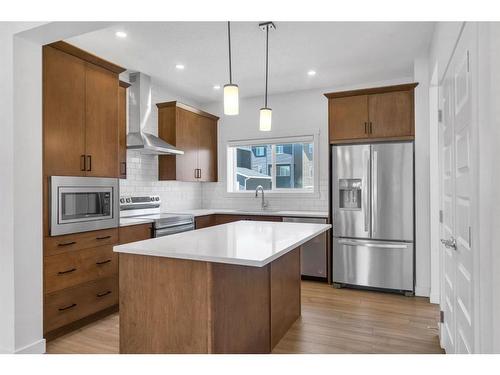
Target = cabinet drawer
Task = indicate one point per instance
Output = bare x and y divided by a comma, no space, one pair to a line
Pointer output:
65,270
78,241
66,306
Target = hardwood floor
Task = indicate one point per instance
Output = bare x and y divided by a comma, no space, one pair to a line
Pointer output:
332,321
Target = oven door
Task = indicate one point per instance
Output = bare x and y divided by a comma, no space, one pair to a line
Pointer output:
80,204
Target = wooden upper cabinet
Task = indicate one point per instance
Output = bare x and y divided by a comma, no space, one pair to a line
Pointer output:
194,132
122,129
382,113
80,113
348,117
391,114
63,113
101,122
187,139
207,149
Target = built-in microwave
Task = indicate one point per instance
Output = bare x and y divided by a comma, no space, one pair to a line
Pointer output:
81,204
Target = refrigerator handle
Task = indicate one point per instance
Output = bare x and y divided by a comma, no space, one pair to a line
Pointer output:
374,190
365,244
367,208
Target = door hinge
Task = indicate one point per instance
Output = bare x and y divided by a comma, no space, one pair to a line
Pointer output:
441,316
440,115
440,216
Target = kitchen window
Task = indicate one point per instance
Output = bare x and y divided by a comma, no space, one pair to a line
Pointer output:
282,165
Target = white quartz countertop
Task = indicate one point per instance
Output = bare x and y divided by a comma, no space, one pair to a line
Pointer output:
248,243
212,211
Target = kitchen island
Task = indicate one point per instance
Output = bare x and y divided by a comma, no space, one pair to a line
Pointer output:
231,288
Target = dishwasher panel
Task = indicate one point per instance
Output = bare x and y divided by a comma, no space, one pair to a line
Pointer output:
313,261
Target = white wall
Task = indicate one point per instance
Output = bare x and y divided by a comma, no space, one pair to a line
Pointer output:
20,182
422,188
27,189
142,170
294,114
8,256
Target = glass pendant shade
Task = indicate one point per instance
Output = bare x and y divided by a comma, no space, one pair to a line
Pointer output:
265,119
231,101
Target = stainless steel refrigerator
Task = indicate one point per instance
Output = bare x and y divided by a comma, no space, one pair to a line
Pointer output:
373,220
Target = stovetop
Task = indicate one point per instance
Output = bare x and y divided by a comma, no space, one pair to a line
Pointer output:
148,207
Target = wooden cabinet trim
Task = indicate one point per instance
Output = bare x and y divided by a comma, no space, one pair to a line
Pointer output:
187,108
87,56
373,90
124,84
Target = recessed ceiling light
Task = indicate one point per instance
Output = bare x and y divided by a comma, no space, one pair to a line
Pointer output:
311,73
179,66
216,87
121,34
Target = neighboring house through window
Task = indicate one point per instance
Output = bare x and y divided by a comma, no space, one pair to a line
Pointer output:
287,165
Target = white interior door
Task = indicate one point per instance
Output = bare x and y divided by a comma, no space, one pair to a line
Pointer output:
457,300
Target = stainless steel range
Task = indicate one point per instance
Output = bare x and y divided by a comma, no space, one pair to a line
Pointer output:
148,207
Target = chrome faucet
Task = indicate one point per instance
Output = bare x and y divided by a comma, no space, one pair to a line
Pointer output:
263,205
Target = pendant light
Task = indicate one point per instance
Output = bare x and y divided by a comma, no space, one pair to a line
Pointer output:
266,112
231,105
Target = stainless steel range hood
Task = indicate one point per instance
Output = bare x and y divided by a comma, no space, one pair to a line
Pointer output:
139,112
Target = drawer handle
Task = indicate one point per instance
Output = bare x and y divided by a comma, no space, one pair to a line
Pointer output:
103,294
103,262
66,243
67,307
65,272
102,238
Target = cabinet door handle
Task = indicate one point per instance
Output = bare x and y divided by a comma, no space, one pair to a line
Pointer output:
82,162
371,127
123,165
67,307
103,294
103,262
66,243
196,173
89,159
199,173
366,126
66,272
102,238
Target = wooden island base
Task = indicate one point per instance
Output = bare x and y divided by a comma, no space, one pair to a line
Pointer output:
172,305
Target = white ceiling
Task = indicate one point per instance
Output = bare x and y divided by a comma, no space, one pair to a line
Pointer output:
342,53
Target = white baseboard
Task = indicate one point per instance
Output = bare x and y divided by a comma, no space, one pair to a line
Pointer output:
434,298
38,347
422,291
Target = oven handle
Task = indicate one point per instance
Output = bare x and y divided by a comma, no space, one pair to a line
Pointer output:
176,225
172,230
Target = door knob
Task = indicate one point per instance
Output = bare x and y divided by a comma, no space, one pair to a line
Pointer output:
450,244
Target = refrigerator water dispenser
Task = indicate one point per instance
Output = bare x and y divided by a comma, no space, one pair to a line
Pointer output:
350,193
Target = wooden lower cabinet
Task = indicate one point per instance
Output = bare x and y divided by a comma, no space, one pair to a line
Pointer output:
69,305
134,233
228,218
172,305
204,221
80,279
66,270
78,241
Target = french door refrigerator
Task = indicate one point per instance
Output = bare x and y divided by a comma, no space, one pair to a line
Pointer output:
373,221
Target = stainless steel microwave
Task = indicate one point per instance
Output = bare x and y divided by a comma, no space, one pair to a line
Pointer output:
81,204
